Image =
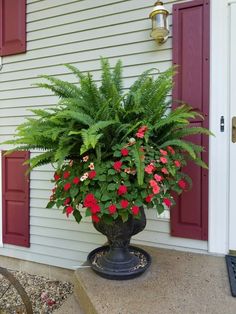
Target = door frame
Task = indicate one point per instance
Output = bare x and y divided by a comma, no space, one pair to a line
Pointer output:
1,243
219,144
232,96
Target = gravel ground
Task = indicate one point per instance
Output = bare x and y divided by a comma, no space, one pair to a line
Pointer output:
45,295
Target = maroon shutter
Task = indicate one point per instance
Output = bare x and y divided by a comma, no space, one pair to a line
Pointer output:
15,199
189,218
12,27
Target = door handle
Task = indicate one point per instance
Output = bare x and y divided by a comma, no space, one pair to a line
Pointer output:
234,129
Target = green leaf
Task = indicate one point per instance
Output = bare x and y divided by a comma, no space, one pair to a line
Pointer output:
50,204
124,216
117,153
139,202
111,172
77,215
106,197
139,163
74,191
111,187
87,212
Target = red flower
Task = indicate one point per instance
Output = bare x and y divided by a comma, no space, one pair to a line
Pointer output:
67,201
92,174
171,150
141,131
135,210
149,169
167,202
69,210
124,152
95,208
56,176
158,178
148,199
163,152
177,163
122,190
95,218
164,170
117,165
112,209
76,180
163,160
67,186
124,203
89,200
182,184
66,174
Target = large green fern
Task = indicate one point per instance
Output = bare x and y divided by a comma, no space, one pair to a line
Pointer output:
92,119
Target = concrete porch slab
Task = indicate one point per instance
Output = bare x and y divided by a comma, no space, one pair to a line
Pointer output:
176,283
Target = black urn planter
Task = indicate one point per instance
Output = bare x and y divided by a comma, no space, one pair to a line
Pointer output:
118,260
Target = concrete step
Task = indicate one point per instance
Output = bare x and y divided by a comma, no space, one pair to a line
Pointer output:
176,283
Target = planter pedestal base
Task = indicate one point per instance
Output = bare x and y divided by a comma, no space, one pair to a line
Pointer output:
119,263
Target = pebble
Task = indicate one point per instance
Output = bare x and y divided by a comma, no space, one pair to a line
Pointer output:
45,294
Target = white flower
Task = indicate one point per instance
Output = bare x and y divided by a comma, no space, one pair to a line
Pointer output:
85,158
91,166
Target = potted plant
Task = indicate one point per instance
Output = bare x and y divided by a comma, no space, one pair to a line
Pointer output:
115,153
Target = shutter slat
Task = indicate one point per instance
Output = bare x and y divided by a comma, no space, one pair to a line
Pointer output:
189,218
15,185
12,27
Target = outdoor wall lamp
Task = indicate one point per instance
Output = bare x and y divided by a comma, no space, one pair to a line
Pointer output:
160,24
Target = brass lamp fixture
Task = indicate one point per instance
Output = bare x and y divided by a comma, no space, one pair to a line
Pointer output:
160,24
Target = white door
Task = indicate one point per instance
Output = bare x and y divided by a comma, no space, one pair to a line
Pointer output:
232,145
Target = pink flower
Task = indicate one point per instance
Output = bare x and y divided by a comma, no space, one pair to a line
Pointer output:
69,210
76,180
112,209
122,190
148,199
67,201
67,186
56,176
92,174
149,169
95,208
163,160
124,152
158,178
124,203
167,202
117,165
182,184
171,150
95,218
164,170
66,174
141,131
156,189
163,152
177,163
135,210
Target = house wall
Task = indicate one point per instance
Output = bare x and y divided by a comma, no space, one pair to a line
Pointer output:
77,32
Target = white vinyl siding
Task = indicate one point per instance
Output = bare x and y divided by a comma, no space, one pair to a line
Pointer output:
77,32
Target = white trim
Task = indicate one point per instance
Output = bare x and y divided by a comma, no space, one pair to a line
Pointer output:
219,147
1,244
